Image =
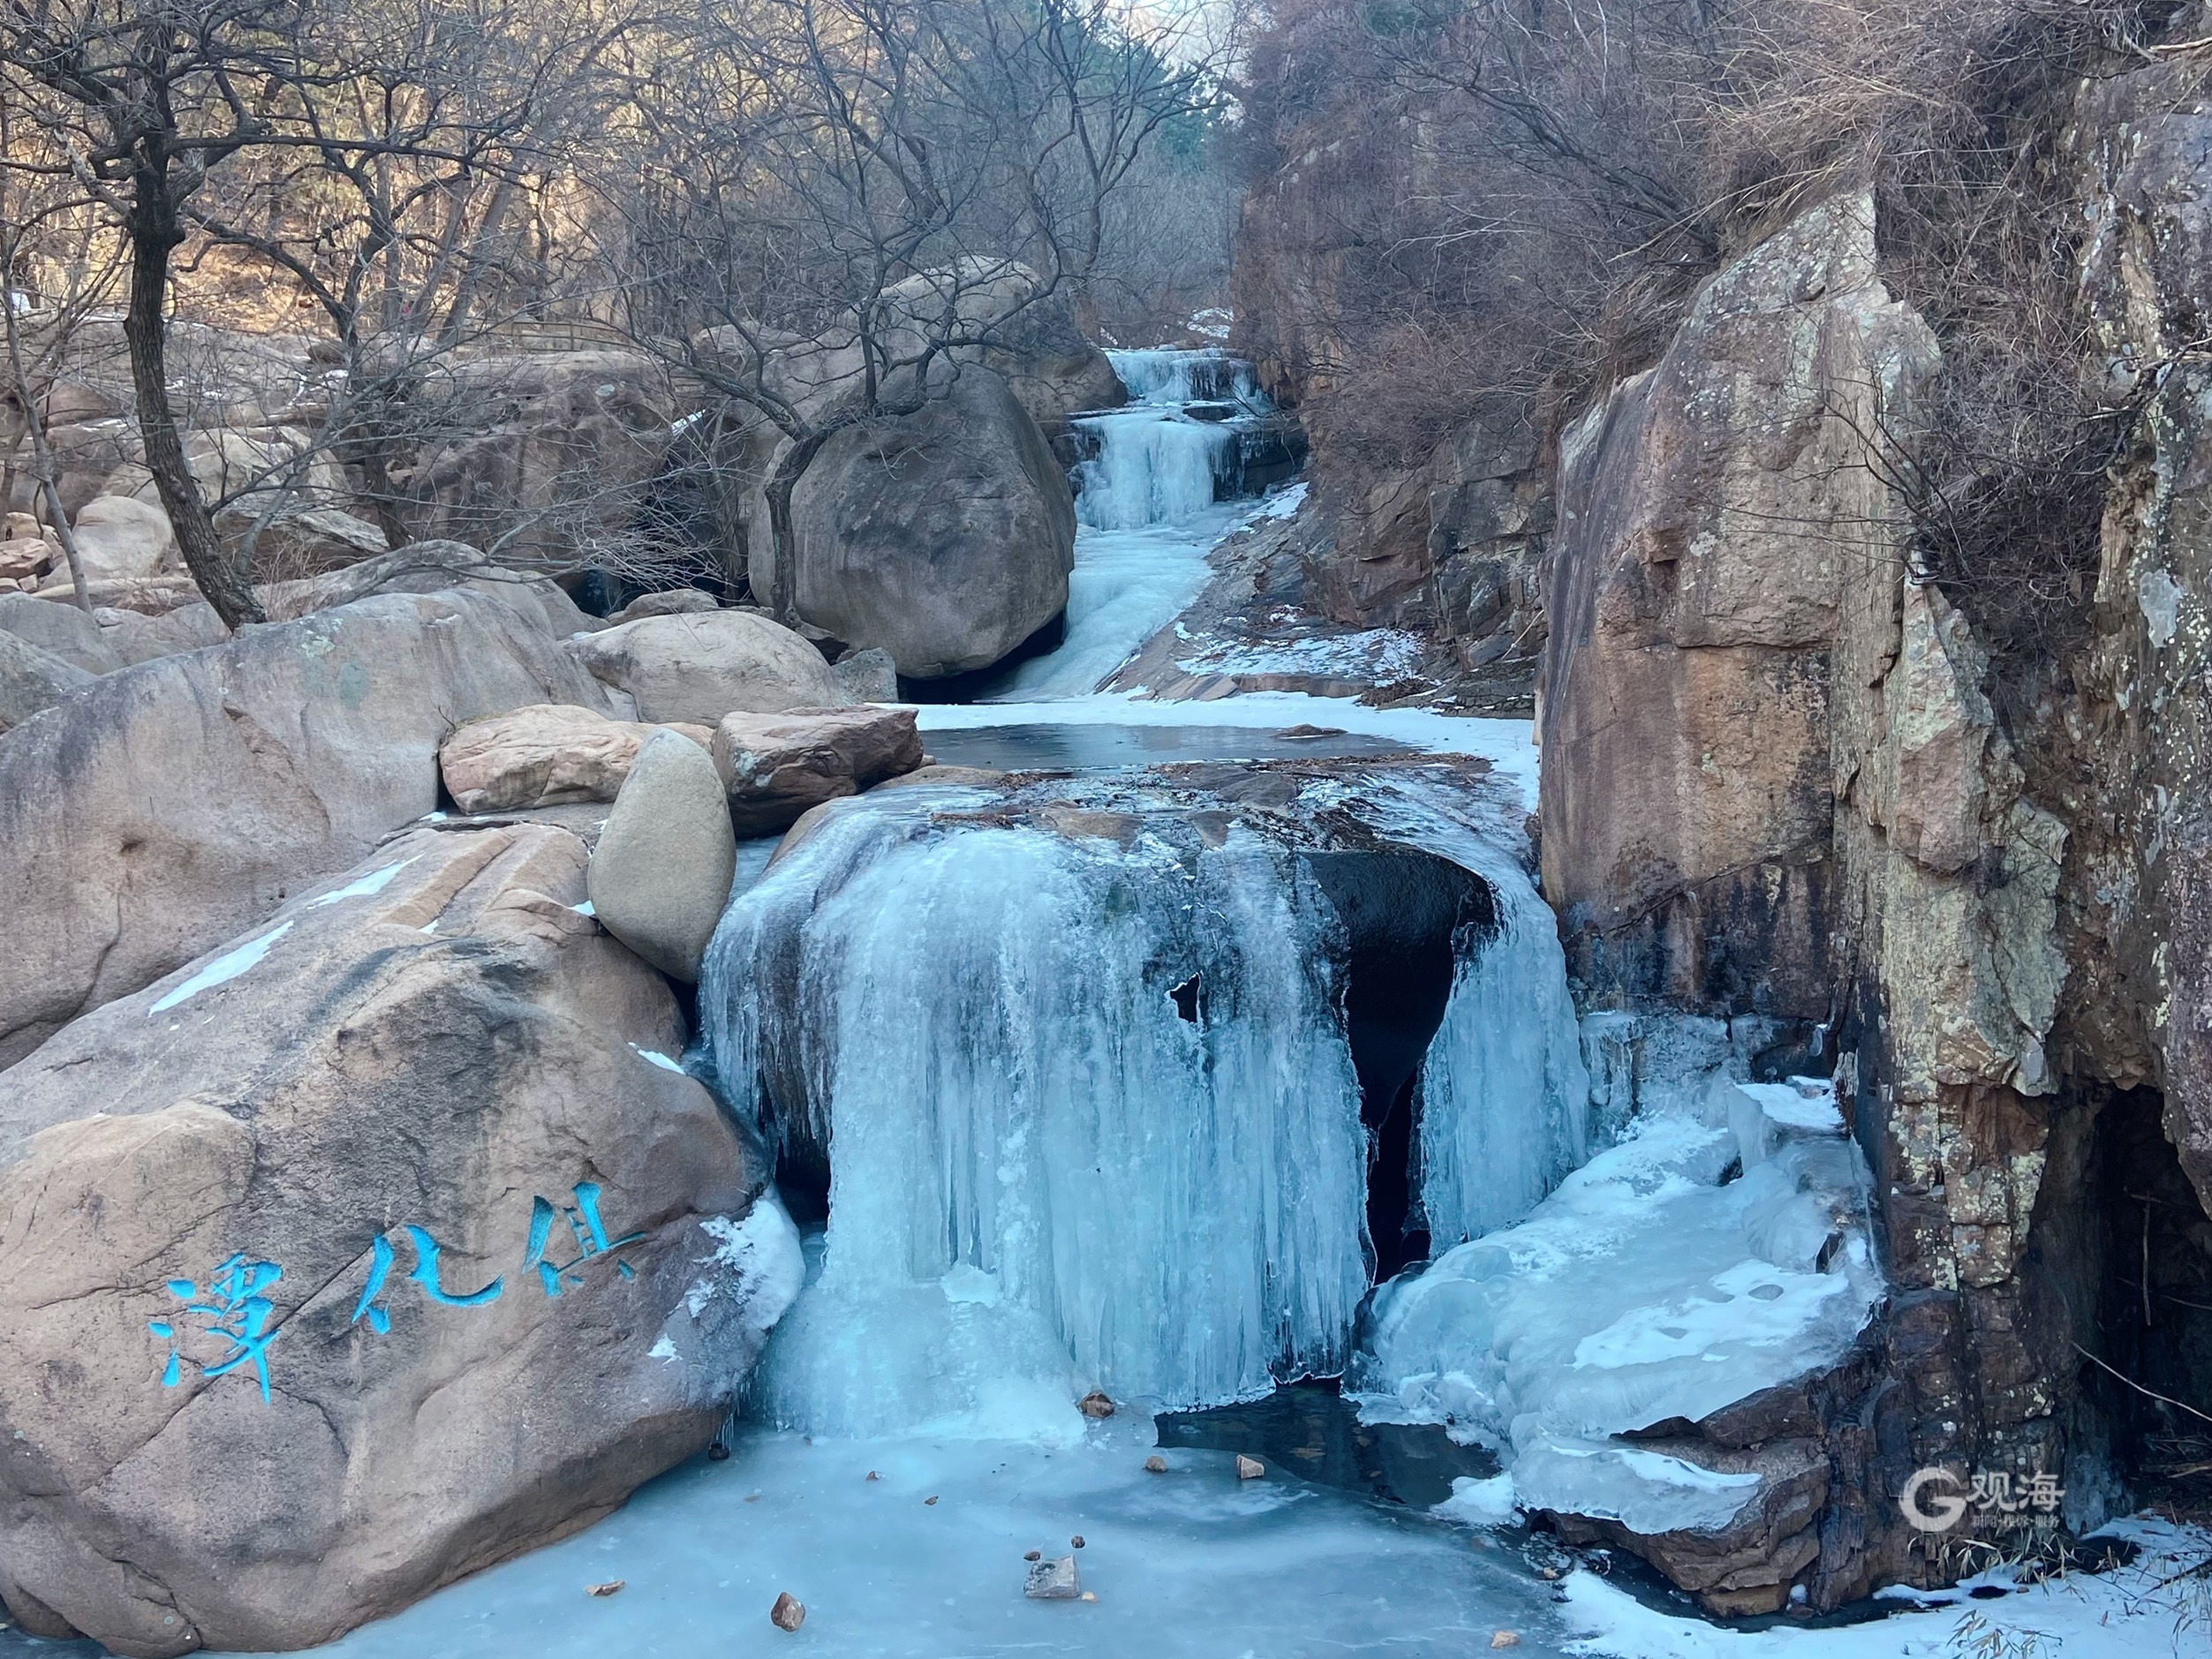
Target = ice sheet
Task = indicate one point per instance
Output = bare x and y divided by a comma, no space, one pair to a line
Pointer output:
1190,1564
1507,744
1127,583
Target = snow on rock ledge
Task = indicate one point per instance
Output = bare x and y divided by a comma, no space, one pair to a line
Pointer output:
1718,1251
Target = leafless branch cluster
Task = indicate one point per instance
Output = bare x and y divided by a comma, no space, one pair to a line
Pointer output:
418,184
1577,167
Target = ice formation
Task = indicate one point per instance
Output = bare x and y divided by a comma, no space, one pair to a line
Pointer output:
981,1024
1090,1109
224,969
1154,461
1504,1093
1714,1252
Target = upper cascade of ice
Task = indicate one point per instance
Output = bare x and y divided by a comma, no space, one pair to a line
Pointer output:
1171,378
1156,460
1090,1108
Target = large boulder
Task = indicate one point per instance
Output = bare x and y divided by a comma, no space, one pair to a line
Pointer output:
546,755
661,874
306,541
117,538
31,680
946,536
168,807
775,766
697,667
550,449
61,629
383,1245
1022,328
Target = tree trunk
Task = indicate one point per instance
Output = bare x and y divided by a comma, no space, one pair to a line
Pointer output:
155,234
781,599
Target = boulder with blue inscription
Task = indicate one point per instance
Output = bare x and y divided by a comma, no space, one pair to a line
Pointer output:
384,1242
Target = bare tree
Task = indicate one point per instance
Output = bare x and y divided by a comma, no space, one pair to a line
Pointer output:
853,198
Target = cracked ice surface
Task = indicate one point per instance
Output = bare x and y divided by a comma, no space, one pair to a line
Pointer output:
1648,1286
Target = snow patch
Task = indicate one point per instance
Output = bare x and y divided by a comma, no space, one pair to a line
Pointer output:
1644,1288
757,1262
375,882
1490,1502
225,968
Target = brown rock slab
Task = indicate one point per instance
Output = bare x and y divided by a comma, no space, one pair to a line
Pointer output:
31,681
162,811
669,602
697,667
545,754
287,1357
776,766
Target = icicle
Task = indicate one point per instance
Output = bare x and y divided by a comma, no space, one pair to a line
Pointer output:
1044,1174
1505,1112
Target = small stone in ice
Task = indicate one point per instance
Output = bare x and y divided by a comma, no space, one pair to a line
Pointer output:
1249,1468
873,1475
1032,1555
788,1613
1095,1405
608,1588
928,1500
1505,1638
1156,1465
1077,1541
1053,1580
1088,1596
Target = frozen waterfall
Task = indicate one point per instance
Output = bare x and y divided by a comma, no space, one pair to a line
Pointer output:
1083,1086
1158,482
1173,449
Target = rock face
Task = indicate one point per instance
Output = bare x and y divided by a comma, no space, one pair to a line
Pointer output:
671,602
661,872
545,755
557,447
775,766
393,1244
31,681
697,667
1687,797
1777,781
63,630
168,807
945,537
117,535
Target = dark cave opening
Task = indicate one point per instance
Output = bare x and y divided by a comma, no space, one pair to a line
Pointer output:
2154,1310
1402,911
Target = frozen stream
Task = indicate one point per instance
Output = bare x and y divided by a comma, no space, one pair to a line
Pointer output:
911,1543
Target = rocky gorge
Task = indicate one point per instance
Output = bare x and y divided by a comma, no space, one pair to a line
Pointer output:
1391,1048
